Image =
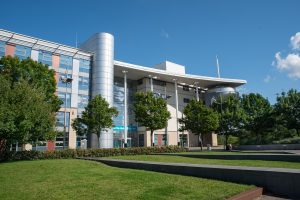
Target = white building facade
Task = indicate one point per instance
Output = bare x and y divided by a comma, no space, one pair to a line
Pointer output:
94,71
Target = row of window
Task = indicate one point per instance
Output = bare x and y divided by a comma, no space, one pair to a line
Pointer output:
66,98
65,62
83,82
2,48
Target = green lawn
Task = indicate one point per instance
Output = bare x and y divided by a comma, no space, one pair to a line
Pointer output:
181,159
79,179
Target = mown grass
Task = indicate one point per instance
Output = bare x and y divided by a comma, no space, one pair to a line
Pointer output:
182,159
79,179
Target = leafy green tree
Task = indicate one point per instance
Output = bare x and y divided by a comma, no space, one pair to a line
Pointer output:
199,119
35,73
25,115
96,117
258,114
288,109
151,112
231,115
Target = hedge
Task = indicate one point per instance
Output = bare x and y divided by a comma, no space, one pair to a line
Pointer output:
294,140
74,153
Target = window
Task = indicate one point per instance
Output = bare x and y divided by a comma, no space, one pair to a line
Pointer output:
186,88
82,100
22,52
140,81
63,97
186,100
65,62
61,83
60,120
158,82
2,48
83,83
84,66
45,57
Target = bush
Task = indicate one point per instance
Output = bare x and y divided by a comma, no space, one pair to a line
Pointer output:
294,140
74,153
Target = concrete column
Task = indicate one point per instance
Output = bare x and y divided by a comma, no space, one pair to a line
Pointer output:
197,91
176,105
151,83
125,108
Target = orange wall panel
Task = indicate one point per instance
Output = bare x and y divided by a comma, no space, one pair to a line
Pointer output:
10,50
55,62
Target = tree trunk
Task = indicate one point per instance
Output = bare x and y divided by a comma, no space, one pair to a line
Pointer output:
200,141
298,132
3,146
152,142
226,140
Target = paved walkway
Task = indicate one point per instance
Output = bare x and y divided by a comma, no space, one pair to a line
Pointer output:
268,197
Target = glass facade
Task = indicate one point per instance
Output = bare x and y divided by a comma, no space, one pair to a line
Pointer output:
45,57
61,83
83,83
60,119
84,66
65,97
22,52
65,62
2,48
118,129
82,100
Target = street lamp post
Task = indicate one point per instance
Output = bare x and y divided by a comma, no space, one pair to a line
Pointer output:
67,81
125,108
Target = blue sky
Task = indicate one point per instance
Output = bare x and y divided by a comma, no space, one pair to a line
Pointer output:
246,35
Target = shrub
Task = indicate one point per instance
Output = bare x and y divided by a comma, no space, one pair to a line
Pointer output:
74,153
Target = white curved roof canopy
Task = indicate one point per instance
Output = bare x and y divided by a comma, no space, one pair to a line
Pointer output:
136,72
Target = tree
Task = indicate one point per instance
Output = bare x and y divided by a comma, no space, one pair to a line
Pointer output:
151,112
231,115
288,109
25,115
35,73
96,117
199,119
258,114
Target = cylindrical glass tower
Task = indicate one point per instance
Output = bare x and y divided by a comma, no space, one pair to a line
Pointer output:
102,44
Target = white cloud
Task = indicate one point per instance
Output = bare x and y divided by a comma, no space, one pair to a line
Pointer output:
164,34
295,41
289,64
267,79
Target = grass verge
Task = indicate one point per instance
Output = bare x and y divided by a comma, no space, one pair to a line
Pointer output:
79,179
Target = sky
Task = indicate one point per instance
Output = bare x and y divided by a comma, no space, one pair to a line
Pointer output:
258,41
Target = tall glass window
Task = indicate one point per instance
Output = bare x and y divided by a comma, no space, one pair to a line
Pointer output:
65,97
84,66
2,48
61,83
60,119
65,62
82,100
83,83
22,52
45,57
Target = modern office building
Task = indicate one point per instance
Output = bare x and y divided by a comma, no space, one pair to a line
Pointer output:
94,70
